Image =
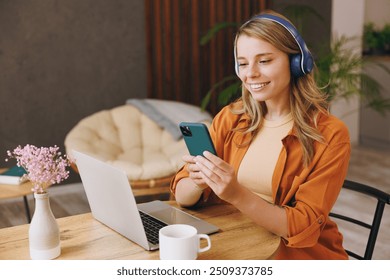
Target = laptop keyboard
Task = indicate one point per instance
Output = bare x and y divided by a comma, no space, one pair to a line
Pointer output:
152,227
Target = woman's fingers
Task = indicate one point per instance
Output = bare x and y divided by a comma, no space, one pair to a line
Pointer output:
217,174
188,159
193,170
212,165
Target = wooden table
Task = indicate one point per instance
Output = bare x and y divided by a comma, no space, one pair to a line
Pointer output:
22,190
83,237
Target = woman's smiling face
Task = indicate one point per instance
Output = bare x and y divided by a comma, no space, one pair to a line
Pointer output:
263,69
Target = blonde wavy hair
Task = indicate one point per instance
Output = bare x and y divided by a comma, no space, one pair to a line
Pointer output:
306,98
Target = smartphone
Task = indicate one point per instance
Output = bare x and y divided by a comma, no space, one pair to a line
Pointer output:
197,138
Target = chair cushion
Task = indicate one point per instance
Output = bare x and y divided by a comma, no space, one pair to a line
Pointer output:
126,138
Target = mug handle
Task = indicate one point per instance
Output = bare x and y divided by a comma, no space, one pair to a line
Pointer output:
204,236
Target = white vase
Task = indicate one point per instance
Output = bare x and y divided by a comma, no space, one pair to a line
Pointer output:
44,234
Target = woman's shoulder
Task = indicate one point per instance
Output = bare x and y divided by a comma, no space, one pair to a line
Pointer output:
332,127
230,114
229,117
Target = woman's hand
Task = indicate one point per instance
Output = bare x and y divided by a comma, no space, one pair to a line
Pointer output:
194,171
217,174
221,178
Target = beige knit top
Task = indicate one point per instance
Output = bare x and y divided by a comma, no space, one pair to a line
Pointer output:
258,164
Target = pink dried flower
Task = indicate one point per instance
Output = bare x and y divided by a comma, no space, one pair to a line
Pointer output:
44,166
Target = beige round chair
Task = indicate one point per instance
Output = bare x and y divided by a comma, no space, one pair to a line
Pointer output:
127,138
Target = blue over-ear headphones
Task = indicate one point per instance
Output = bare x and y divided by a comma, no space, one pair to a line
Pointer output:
300,64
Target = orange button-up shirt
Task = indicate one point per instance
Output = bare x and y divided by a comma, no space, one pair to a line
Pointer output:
307,193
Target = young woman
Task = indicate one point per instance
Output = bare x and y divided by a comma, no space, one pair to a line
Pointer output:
282,158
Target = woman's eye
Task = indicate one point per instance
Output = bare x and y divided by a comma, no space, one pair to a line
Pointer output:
265,61
241,64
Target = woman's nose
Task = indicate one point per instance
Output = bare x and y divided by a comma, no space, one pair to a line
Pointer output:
253,71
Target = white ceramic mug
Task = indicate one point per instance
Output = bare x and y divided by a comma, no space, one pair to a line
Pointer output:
181,242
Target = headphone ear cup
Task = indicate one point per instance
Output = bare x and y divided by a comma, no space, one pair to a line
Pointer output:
295,65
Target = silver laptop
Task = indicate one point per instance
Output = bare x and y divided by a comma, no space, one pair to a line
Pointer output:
112,203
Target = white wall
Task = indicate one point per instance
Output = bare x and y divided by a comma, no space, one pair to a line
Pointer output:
348,19
378,12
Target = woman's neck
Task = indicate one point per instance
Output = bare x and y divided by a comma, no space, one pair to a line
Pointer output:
277,112
277,108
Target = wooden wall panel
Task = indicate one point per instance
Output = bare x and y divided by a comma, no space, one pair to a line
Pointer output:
179,68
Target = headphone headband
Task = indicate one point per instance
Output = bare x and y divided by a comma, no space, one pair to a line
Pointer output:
300,64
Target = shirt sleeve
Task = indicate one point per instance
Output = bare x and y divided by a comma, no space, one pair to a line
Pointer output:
316,193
